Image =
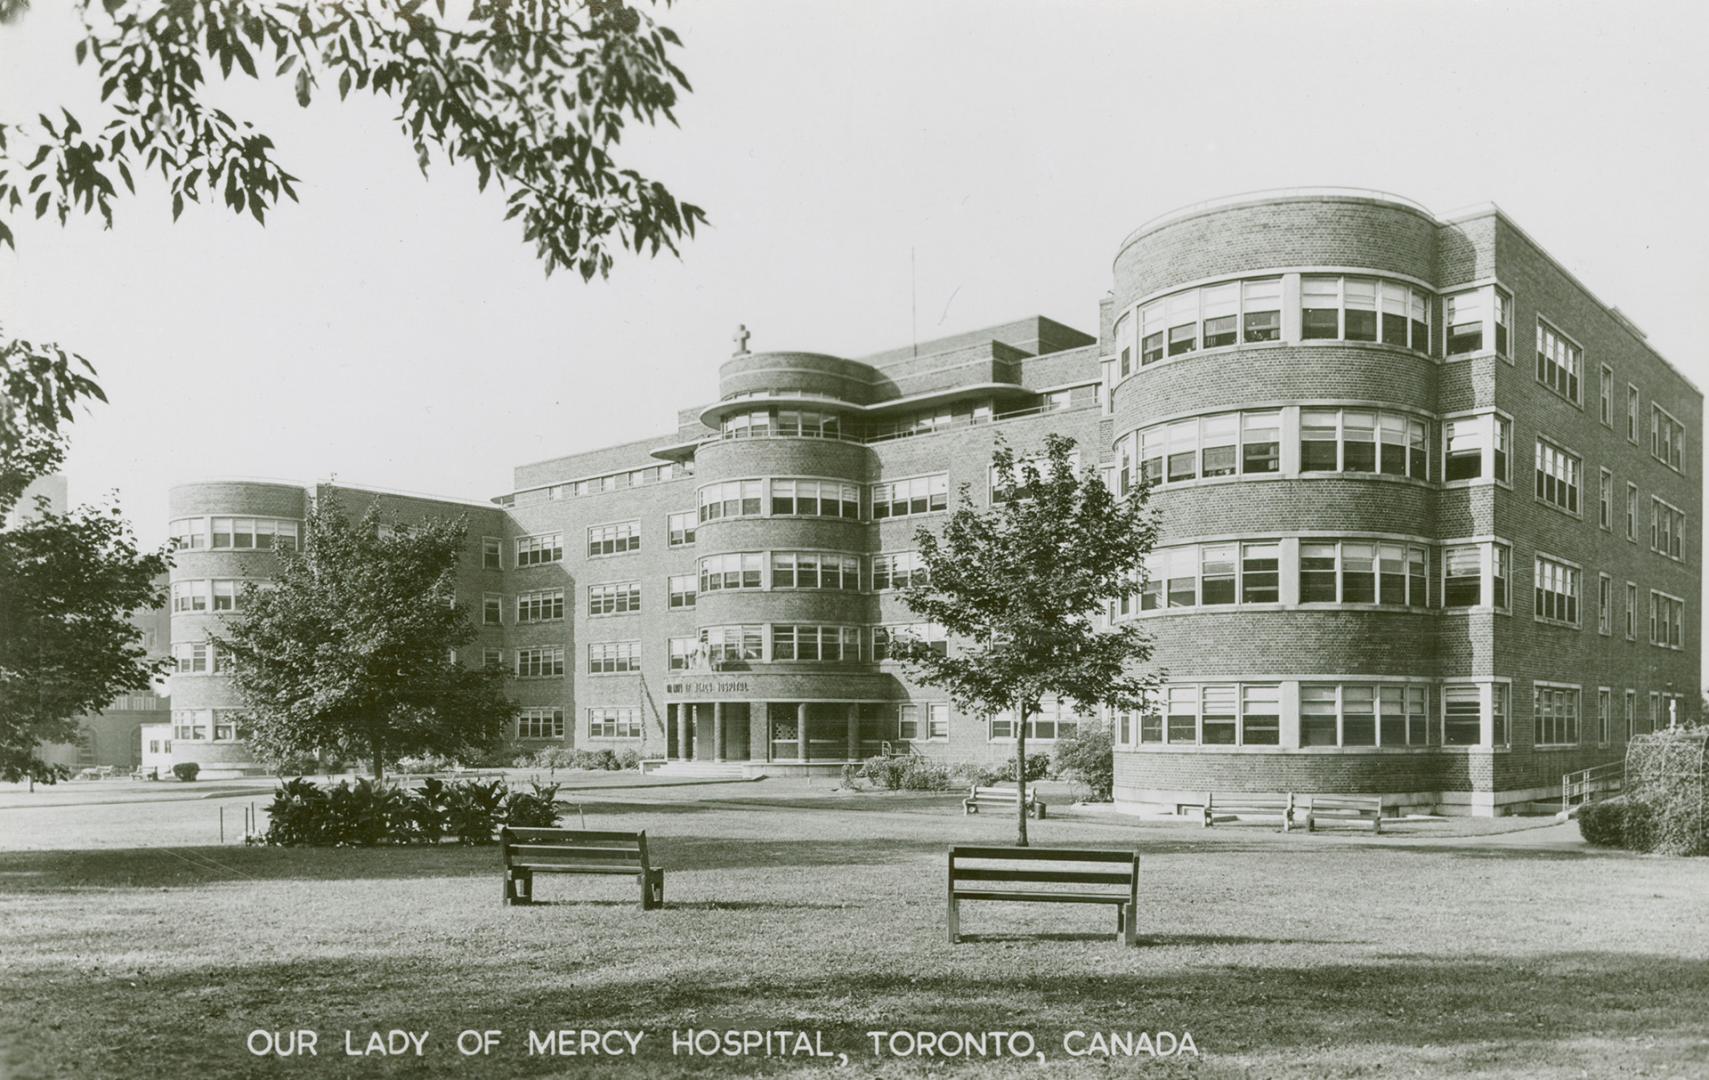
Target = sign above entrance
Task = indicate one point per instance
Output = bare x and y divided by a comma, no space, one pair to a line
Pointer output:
707,686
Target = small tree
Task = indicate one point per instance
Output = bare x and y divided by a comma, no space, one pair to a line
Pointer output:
1022,586
68,583
349,648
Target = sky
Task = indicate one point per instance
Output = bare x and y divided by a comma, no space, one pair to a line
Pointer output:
394,331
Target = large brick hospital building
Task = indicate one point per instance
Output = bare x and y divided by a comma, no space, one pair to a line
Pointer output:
1427,515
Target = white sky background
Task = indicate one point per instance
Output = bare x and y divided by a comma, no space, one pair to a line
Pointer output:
396,332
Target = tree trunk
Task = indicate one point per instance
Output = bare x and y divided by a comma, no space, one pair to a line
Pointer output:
379,759
1021,773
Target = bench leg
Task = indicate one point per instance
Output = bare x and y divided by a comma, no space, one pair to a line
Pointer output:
954,918
519,887
969,808
1038,810
653,891
1377,822
1130,926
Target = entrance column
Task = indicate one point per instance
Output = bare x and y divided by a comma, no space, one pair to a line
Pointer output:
801,730
854,732
717,731
683,713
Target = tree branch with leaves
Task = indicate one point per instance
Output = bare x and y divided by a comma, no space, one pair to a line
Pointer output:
1022,586
535,94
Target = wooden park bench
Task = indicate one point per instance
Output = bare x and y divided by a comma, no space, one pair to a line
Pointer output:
1227,807
1082,876
1355,808
1001,798
576,851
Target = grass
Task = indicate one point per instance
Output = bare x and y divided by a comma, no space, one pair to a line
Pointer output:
1283,955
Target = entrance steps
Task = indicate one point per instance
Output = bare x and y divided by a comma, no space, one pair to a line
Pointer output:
698,770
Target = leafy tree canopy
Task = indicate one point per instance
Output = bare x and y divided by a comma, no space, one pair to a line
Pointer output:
349,648
1021,587
535,94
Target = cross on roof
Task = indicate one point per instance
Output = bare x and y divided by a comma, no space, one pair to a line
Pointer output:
741,339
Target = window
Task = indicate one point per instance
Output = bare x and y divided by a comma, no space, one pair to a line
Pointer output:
492,609
1604,715
917,495
1554,710
614,723
732,498
492,553
1054,720
617,598
1667,620
1347,440
1211,446
682,650
726,644
1151,329
680,528
603,540
191,724
1556,591
1558,360
1364,309
1362,572
1464,570
189,534
547,548
612,657
225,594
897,570
1667,530
1605,501
1631,413
1667,438
492,659
1260,570
681,591
1604,604
540,723
935,637
539,661
191,657
543,605
814,570
1605,397
189,596
1261,301
815,498
736,570
252,534
1631,714
937,721
1362,714
1475,447
1219,315
816,643
1018,473
1631,611
1464,315
1557,476
1462,715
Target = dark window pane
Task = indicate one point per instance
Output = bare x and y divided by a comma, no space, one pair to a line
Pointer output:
1262,457
1320,323
1219,461
1361,325
1465,338
1263,326
1317,455
1394,329
1219,332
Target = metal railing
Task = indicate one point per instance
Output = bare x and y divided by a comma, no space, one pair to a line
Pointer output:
1587,785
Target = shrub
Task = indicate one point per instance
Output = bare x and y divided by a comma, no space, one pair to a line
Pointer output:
902,774
1668,771
1038,767
186,770
1622,822
1088,757
629,759
537,809
472,810
297,816
425,763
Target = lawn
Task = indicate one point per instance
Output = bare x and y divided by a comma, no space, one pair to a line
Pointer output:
1282,955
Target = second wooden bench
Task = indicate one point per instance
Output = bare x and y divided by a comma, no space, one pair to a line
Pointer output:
1001,798
577,851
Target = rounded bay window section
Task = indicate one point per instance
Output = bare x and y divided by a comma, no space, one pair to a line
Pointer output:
224,535
1275,378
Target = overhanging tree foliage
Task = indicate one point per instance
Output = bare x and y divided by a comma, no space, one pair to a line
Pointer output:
349,648
68,583
1021,587
535,94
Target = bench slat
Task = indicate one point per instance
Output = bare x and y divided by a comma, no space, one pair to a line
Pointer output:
531,833
1041,897
578,851
1066,877
631,870
1044,854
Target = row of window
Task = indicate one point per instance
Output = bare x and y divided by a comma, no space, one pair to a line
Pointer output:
215,595
596,485
203,725
718,645
234,534
1254,572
